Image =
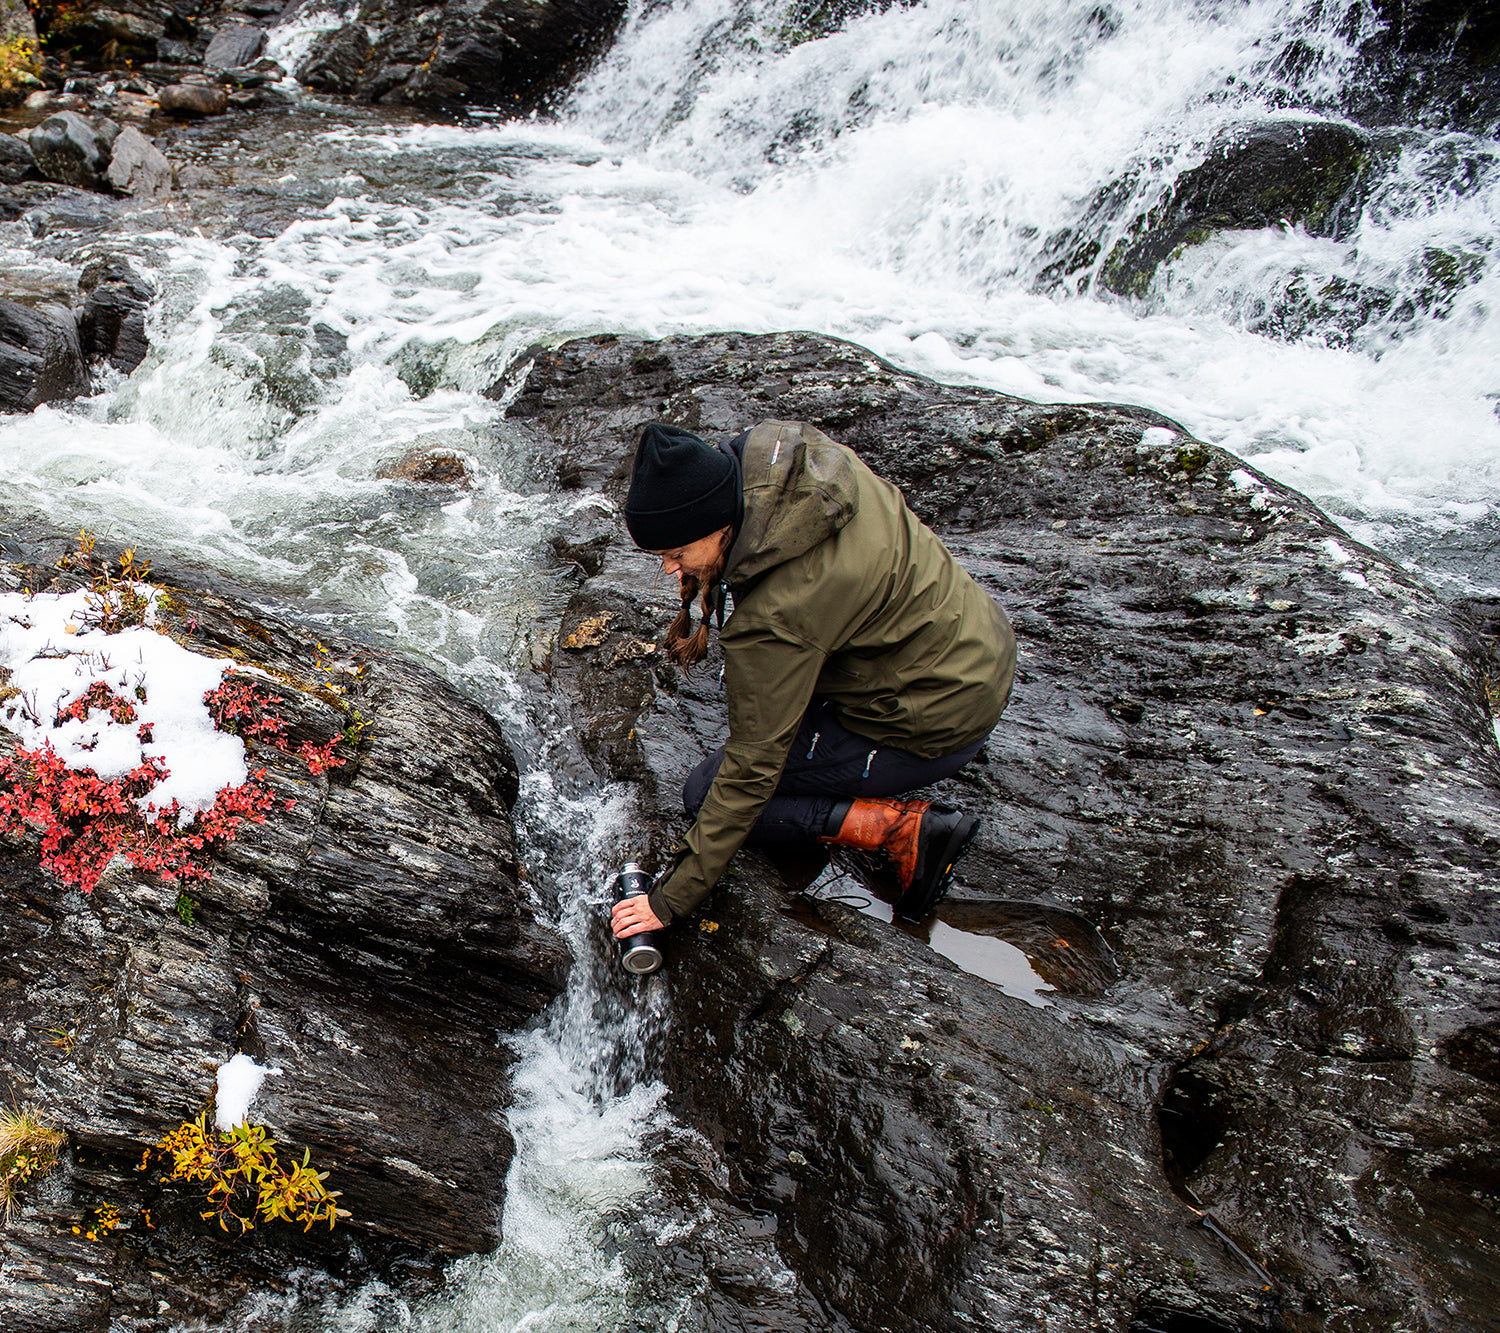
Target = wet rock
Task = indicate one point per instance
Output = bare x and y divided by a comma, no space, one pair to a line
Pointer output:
1252,752
71,150
17,162
52,102
1299,173
174,53
370,939
1430,24
429,467
336,59
41,360
265,95
1432,62
585,552
259,75
63,209
138,167
192,99
511,53
134,29
807,20
133,105
234,46
112,323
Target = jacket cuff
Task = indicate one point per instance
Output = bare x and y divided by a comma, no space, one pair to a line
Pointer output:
658,904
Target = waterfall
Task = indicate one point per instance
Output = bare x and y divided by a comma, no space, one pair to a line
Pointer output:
932,161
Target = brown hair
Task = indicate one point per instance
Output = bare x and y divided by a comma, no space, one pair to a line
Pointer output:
684,648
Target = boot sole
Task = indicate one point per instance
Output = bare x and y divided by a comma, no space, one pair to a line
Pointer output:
919,900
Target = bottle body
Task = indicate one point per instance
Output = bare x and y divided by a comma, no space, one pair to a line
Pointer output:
639,953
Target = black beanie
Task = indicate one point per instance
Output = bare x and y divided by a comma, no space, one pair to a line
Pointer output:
681,489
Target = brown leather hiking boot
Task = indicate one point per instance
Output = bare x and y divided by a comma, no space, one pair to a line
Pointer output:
922,841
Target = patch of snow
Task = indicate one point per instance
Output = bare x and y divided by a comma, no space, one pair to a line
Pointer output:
239,1081
53,660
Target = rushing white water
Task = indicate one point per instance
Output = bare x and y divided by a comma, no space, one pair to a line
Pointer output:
902,183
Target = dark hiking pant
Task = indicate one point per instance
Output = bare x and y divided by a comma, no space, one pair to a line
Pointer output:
827,766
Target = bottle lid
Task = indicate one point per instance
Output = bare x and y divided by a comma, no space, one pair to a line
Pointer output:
641,959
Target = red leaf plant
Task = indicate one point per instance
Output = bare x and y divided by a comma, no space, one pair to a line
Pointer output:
85,820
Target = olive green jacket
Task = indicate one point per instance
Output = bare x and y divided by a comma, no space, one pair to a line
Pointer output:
840,592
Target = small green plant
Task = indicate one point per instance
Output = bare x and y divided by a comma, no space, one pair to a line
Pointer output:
185,908
355,728
28,1147
246,1181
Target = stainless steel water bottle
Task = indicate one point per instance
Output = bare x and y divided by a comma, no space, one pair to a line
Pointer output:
640,953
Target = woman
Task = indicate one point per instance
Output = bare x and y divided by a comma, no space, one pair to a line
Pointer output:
860,661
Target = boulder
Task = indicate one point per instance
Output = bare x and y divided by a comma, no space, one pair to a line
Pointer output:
135,28
1303,173
138,167
234,46
41,360
370,939
71,150
1253,753
192,99
112,324
509,53
336,59
17,162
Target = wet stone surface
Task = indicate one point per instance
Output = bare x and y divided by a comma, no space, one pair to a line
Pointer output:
371,942
1253,753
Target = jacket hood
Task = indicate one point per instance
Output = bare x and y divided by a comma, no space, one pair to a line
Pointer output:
799,487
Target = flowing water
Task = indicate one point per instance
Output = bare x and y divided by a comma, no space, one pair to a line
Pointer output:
357,278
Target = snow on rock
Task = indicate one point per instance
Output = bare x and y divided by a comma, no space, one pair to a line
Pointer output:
53,659
239,1081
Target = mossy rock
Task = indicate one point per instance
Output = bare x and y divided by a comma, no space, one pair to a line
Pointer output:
1306,173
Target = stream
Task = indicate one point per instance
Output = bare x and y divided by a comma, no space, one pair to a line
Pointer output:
345,282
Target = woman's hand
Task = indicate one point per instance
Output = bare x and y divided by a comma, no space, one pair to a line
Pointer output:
633,915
